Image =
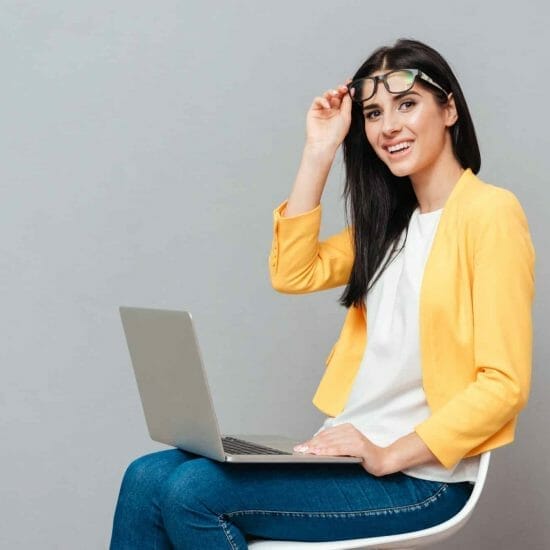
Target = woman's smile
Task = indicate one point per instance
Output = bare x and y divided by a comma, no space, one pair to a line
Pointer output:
397,155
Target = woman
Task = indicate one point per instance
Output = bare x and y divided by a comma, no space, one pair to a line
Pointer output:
440,266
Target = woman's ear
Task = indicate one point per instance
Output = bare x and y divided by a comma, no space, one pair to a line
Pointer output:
450,110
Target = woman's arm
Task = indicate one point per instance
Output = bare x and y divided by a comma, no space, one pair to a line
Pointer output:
310,180
502,297
406,452
298,262
327,123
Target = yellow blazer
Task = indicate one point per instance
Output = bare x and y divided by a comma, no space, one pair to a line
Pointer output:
475,314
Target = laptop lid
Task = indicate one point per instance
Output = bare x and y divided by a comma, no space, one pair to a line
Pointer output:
176,401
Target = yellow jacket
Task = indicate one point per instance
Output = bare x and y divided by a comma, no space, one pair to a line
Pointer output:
475,314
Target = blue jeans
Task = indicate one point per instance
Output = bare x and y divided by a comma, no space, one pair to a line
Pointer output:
176,499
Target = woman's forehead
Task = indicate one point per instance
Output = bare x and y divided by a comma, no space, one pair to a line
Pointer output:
379,72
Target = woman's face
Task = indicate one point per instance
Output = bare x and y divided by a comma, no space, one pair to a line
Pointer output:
414,118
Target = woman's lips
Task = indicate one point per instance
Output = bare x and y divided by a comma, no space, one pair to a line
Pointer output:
400,154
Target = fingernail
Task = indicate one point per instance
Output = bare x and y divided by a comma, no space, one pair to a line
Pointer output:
300,448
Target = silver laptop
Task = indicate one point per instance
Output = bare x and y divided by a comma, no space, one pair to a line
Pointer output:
176,399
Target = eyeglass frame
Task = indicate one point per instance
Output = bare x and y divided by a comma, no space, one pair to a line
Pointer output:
383,78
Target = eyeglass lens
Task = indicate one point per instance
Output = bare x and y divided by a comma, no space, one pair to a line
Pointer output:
397,81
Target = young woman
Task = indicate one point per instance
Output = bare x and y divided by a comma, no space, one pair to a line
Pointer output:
439,265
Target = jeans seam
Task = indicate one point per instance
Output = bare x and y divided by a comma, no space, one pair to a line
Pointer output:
227,533
358,513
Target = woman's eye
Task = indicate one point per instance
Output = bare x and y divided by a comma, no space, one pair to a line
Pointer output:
370,117
410,102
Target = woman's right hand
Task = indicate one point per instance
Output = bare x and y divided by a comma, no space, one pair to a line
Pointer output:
329,118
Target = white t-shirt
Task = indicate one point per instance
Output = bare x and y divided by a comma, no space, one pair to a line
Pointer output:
387,399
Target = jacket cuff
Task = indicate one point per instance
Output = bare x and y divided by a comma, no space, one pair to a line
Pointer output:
292,229
278,213
435,442
288,229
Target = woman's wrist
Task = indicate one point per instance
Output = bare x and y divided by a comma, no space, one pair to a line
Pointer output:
320,151
377,460
406,452
310,180
388,464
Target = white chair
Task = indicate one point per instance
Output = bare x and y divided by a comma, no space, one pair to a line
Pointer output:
411,541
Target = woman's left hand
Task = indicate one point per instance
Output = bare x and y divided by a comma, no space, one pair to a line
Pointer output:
347,440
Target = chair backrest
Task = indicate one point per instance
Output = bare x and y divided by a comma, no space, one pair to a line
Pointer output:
415,539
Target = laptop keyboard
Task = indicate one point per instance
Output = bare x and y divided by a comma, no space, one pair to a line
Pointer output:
235,446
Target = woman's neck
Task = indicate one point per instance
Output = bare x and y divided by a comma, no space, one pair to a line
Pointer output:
434,184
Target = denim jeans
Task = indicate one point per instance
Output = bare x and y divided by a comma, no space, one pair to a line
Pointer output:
176,499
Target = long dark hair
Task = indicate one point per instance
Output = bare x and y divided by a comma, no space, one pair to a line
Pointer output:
381,203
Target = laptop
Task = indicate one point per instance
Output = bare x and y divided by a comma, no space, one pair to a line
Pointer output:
176,399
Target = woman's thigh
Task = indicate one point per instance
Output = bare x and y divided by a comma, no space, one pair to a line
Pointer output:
312,502
137,523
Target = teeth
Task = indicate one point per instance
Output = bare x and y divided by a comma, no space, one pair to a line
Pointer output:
399,146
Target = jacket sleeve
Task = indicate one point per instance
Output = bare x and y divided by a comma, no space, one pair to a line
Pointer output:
298,262
502,297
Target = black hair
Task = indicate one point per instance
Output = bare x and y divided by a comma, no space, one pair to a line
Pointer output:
381,203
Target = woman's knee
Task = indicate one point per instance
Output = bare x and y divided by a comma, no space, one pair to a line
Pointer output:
196,485
152,468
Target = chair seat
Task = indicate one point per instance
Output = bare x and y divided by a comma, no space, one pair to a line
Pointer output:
414,539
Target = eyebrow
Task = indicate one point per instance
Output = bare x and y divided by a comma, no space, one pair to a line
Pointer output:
396,98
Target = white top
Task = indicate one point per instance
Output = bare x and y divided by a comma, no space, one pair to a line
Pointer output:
387,399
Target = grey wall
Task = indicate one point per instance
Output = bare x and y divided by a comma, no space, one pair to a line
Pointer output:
144,146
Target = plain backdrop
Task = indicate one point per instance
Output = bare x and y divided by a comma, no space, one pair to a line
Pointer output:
144,147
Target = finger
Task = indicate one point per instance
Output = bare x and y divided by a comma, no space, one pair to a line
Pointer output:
327,449
347,100
331,431
302,448
321,102
330,96
306,445
351,92
335,102
341,91
335,446
338,92
319,441
326,441
330,438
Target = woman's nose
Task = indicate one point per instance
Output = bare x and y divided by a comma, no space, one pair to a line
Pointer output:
391,122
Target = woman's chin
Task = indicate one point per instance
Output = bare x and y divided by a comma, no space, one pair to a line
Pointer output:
399,171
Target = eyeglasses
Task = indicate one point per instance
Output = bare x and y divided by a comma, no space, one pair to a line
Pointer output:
396,82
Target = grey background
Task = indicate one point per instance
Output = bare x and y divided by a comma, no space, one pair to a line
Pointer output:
144,147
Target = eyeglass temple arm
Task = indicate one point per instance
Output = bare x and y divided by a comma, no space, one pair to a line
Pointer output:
427,78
